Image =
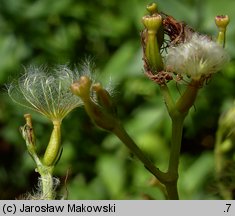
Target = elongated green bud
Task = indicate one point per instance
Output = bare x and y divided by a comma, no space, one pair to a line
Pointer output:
100,113
104,98
82,88
152,49
54,145
152,8
222,22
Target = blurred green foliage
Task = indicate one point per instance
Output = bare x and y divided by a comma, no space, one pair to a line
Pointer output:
94,164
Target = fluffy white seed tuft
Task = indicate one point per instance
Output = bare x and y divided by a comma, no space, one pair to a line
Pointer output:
197,57
47,92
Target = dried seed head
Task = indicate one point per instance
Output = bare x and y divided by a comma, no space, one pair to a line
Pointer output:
196,58
47,92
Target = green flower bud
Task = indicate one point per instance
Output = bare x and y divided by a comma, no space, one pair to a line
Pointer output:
82,88
152,8
99,108
152,23
104,98
221,22
153,36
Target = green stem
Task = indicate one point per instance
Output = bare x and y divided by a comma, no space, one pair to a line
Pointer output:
177,111
47,182
170,178
177,129
188,98
221,38
45,171
176,139
172,190
120,132
170,104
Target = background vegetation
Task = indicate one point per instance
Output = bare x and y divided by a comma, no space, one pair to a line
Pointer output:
94,164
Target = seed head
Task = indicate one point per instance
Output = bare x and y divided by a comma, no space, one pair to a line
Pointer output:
47,92
197,57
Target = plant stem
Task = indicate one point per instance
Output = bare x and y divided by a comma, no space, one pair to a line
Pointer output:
172,191
47,182
177,129
187,99
176,139
177,111
46,175
170,104
170,178
120,132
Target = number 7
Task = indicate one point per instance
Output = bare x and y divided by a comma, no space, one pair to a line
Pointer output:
228,206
